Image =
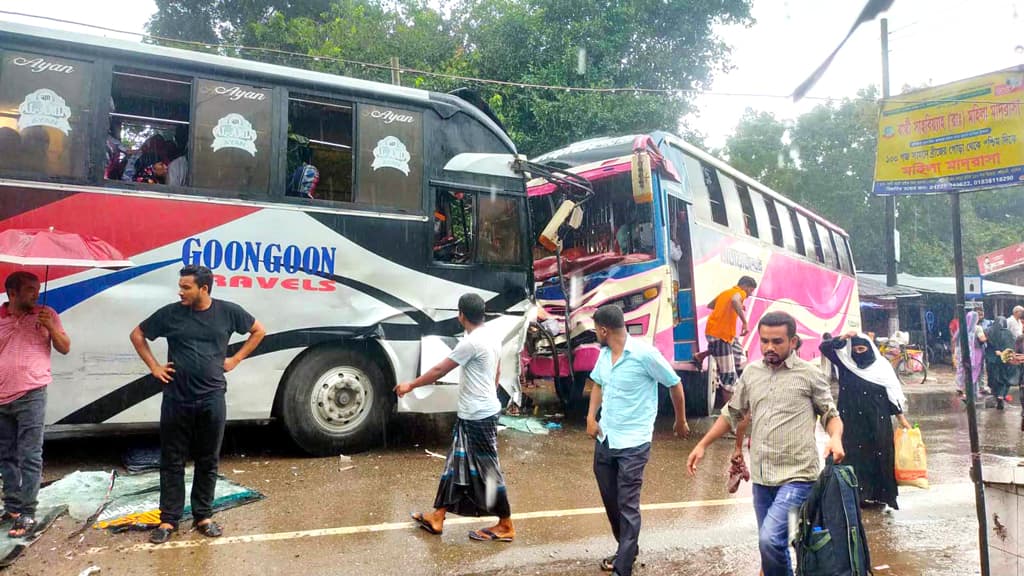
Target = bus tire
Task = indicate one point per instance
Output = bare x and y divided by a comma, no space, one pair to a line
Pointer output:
336,401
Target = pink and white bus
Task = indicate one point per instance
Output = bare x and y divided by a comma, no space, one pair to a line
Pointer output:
667,228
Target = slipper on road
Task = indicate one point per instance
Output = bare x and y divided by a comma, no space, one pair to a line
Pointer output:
486,535
424,523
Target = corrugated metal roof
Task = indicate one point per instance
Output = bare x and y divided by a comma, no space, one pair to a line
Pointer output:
873,289
944,284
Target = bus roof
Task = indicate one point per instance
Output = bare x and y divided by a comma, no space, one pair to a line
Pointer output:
283,74
584,155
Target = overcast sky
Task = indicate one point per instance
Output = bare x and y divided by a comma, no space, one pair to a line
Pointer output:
931,42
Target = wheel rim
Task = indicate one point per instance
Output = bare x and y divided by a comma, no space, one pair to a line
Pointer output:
341,399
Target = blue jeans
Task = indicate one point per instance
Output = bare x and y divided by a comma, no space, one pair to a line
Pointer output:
772,505
21,450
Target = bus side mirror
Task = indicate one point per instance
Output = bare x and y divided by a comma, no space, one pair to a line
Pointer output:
643,191
568,214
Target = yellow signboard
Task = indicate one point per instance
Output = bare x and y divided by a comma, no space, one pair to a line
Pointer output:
964,136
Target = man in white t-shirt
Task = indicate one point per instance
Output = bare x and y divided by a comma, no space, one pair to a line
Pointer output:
472,483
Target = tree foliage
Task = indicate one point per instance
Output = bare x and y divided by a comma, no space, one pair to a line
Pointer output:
659,44
825,160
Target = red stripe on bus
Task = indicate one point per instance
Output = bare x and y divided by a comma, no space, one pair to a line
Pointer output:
131,224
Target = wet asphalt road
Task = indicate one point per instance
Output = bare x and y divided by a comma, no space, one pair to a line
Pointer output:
321,517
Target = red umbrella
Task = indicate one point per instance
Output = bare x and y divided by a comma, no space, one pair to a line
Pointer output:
42,247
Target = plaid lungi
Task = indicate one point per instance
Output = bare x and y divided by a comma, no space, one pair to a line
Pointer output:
721,353
472,483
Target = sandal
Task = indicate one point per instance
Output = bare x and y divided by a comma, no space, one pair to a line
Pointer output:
422,522
24,524
161,535
5,516
209,529
485,535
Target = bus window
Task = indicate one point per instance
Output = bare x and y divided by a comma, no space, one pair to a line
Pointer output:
849,255
715,197
148,131
232,137
733,205
819,254
827,247
319,150
788,227
499,230
453,227
842,256
44,115
697,188
773,219
798,233
749,218
390,173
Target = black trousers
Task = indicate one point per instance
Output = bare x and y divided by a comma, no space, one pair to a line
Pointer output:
620,475
190,428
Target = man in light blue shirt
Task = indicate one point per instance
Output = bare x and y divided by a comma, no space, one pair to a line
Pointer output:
627,375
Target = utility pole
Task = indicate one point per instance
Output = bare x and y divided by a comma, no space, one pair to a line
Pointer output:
396,72
890,201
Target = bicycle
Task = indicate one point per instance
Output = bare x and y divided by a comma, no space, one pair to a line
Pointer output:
909,369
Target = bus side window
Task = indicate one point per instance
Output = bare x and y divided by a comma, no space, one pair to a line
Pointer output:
454,220
825,240
788,227
849,254
773,218
715,197
44,115
390,157
148,132
798,233
818,254
319,150
733,204
232,137
698,188
840,251
749,217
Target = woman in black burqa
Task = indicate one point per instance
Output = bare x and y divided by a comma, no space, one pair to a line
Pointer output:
869,395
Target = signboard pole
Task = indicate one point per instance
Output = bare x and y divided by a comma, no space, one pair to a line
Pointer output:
969,388
890,201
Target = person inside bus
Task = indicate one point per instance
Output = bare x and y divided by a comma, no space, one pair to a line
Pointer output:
177,152
140,165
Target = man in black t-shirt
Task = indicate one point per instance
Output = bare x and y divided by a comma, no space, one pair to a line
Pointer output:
193,411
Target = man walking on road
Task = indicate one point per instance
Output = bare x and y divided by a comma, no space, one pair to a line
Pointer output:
27,333
783,395
726,308
472,483
627,375
193,411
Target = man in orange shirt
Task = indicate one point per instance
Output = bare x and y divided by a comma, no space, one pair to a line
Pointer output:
721,330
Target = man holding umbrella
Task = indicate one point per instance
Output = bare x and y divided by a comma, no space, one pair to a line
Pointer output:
27,333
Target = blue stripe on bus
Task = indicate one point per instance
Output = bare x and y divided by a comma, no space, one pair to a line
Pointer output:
593,280
66,297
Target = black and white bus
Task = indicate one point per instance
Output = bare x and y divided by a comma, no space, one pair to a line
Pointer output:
321,203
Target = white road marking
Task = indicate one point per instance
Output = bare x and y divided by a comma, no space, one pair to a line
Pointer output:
455,521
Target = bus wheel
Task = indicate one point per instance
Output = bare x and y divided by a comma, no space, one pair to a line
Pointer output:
335,401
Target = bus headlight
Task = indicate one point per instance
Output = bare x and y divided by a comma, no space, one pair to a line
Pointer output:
635,300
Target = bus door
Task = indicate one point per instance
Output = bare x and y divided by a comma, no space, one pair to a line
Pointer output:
684,333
